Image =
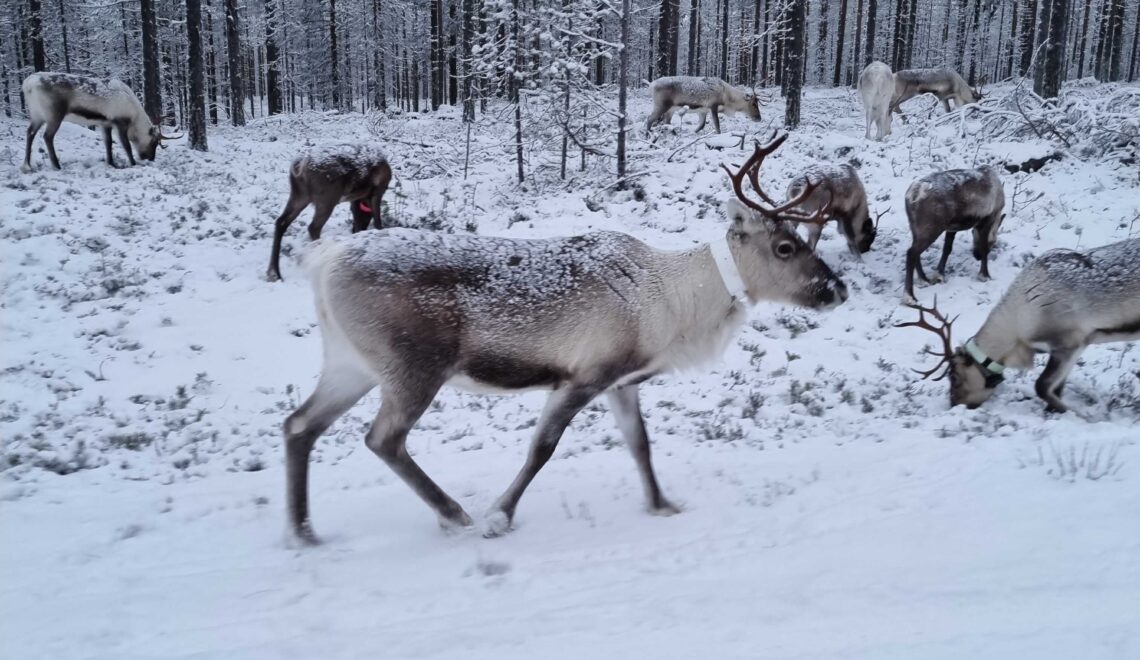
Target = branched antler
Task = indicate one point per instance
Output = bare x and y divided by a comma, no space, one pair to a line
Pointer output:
943,332
879,215
775,211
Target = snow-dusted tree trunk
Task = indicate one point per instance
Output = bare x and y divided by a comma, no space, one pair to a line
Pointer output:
794,47
233,56
197,100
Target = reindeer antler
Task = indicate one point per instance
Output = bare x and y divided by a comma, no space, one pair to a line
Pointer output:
880,215
943,333
751,169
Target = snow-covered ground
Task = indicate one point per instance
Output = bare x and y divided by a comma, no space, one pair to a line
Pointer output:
834,506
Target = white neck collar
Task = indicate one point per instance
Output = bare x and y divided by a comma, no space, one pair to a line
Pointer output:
729,273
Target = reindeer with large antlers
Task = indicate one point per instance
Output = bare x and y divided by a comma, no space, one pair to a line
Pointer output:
409,311
53,98
1061,303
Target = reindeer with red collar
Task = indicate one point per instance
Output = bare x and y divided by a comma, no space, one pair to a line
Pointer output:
327,176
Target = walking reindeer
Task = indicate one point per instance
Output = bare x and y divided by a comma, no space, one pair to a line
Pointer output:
1061,303
707,95
409,311
943,82
325,177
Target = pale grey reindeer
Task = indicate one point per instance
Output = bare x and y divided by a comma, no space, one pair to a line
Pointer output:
838,187
53,98
409,311
708,95
943,82
326,176
1061,303
952,201
877,89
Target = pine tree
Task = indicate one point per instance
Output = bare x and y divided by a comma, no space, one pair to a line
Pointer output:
197,101
794,46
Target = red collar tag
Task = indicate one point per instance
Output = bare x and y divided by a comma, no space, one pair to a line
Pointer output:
363,207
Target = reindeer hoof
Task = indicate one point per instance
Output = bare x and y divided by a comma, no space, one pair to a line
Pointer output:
909,300
938,278
496,524
303,535
664,508
25,168
272,276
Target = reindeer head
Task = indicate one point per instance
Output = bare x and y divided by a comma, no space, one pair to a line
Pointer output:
865,234
149,143
775,263
971,384
752,105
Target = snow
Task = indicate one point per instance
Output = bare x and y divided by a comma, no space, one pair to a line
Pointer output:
833,506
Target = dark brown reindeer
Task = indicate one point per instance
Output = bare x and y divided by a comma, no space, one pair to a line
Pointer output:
952,201
839,187
325,177
1061,303
53,98
707,95
409,311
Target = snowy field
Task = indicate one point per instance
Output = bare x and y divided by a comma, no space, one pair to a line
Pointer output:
834,506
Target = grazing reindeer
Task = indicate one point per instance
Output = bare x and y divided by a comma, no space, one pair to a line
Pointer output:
1060,303
952,201
838,186
410,311
55,97
705,94
325,177
944,83
877,88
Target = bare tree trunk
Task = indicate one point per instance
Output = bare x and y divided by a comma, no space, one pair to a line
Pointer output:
468,37
197,123
1051,31
1028,24
975,55
452,57
623,86
334,56
516,96
66,47
272,70
856,64
821,57
872,12
434,40
36,34
794,47
667,38
1133,64
723,40
211,67
233,56
694,34
1114,49
840,34
152,85
754,61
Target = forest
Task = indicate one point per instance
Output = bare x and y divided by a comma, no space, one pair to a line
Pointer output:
201,62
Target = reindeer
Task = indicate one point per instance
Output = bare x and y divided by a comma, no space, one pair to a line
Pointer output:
1061,303
943,82
410,311
839,187
708,95
952,201
325,177
54,97
877,88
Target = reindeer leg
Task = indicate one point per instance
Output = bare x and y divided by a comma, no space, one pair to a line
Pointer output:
126,144
400,407
360,219
33,128
107,144
378,195
293,208
701,123
49,140
1052,380
947,246
560,408
321,212
336,392
914,262
716,118
946,103
627,411
814,232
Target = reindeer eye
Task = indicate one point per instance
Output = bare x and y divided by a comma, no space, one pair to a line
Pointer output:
785,249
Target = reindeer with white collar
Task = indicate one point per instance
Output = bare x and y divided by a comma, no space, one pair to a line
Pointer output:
1060,304
410,311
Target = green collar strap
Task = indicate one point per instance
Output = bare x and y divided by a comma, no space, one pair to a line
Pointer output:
987,364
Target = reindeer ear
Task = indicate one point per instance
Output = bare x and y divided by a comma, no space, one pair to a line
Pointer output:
742,218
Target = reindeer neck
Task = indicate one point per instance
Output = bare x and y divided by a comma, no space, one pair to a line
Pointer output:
999,340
